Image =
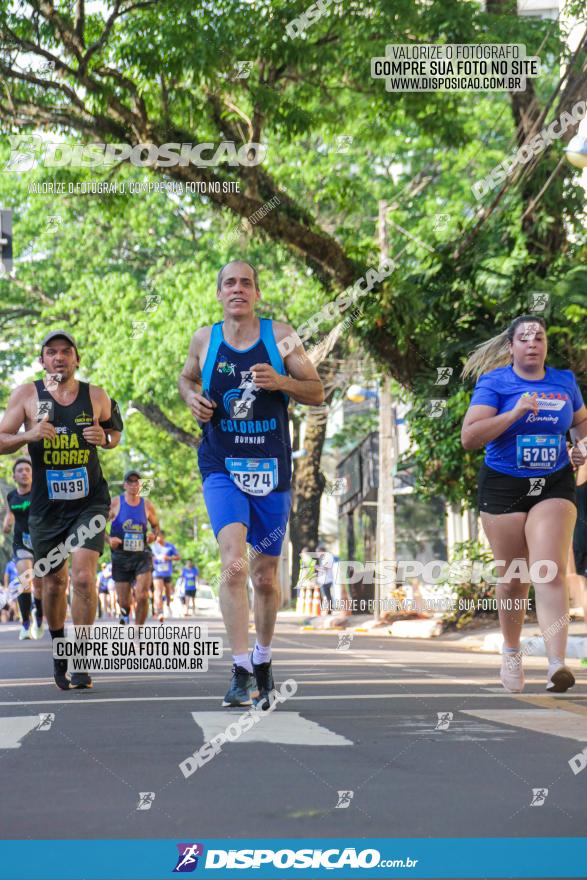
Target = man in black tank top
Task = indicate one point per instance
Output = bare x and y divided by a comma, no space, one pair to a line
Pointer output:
65,421
18,502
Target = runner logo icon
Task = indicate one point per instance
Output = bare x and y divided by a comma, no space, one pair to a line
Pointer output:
187,860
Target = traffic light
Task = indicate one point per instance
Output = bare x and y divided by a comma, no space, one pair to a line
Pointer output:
6,240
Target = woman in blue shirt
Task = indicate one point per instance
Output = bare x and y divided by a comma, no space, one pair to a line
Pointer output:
520,412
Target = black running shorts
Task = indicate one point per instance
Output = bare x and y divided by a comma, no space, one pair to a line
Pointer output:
126,565
53,541
500,493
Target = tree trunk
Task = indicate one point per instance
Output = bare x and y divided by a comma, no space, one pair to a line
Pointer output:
307,486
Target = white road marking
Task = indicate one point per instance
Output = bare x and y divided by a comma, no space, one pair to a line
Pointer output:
12,730
88,700
289,728
551,721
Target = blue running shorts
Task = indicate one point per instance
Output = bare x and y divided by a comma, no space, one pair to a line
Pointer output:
265,516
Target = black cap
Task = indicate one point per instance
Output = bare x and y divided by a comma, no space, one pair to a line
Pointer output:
131,474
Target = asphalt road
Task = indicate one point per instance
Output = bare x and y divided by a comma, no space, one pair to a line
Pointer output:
364,720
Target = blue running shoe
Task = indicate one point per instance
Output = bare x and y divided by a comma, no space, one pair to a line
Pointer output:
239,692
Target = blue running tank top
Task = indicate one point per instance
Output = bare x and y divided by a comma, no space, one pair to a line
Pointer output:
535,444
130,524
248,435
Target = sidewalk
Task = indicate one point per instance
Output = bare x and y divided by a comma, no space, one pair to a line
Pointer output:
487,640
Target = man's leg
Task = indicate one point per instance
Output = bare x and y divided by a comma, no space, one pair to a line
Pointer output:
235,610
24,597
123,594
232,542
267,596
267,599
158,603
84,564
55,598
168,596
143,582
55,606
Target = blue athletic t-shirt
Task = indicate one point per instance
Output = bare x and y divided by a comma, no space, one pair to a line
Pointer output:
190,576
534,445
163,568
248,434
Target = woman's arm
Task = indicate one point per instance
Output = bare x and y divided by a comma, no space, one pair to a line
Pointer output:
481,425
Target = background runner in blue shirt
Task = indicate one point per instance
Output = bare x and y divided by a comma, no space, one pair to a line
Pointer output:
164,555
189,574
520,411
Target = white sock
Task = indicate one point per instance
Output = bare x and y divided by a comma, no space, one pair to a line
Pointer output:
243,660
553,664
261,654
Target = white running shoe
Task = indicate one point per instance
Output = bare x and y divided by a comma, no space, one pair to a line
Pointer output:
512,673
37,630
25,633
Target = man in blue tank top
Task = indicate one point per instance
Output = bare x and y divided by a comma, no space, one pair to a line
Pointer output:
237,380
132,559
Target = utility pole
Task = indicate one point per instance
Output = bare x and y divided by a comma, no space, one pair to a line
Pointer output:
5,241
386,551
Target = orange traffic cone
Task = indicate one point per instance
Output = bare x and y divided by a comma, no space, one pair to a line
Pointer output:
308,601
316,609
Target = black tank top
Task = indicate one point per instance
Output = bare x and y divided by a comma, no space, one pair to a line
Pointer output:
19,507
67,476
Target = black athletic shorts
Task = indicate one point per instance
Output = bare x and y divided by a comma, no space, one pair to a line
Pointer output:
126,565
500,493
580,534
49,537
190,594
580,560
166,580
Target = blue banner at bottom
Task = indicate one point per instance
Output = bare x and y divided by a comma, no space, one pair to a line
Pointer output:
276,858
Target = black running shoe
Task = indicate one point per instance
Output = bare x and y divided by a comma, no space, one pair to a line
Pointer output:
60,674
81,680
560,681
265,684
239,692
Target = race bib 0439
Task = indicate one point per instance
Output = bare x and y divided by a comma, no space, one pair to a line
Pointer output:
67,485
537,451
255,476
